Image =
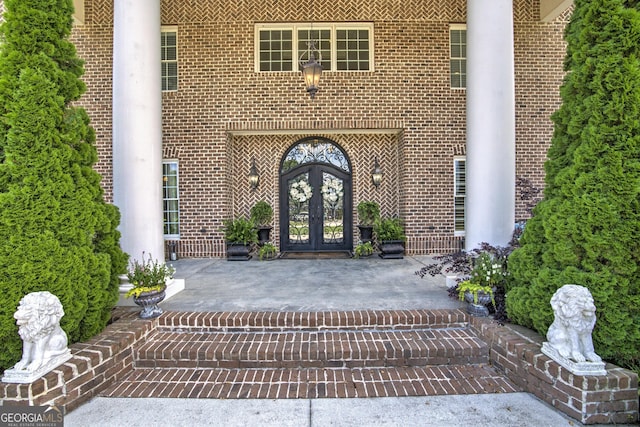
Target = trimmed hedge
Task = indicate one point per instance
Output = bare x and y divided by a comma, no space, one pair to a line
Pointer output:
586,230
56,231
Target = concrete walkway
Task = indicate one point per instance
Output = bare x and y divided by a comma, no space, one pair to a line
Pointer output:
513,410
315,285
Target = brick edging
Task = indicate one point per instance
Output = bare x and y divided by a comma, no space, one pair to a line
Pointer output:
95,365
108,358
606,399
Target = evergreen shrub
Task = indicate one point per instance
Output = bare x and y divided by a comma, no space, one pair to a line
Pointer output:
56,231
586,230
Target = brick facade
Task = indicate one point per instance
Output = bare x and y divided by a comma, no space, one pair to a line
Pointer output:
404,112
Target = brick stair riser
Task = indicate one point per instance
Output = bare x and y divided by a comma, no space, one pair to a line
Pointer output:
312,349
313,321
311,383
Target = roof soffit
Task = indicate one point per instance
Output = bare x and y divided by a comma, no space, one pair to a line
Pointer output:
551,9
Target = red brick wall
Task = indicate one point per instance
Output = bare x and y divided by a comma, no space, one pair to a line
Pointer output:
592,399
220,96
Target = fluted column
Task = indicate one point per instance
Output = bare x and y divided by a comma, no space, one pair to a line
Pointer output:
490,162
137,126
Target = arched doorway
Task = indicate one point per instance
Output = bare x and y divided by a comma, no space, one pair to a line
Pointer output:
315,197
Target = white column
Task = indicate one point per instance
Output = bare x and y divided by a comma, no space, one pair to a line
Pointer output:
491,138
137,126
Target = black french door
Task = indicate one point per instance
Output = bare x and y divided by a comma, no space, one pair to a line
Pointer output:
316,209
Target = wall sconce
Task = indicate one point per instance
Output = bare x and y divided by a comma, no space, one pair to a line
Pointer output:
311,70
376,173
254,178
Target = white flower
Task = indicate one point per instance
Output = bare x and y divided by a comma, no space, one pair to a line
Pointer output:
332,190
300,191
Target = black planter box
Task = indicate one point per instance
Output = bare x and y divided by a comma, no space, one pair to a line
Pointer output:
238,252
392,249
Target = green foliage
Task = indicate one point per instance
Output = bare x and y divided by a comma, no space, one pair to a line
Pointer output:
488,271
261,213
474,289
389,229
56,232
240,230
267,251
368,213
363,250
586,229
148,275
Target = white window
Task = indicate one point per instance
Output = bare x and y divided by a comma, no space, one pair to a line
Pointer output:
169,46
170,199
341,47
458,56
459,194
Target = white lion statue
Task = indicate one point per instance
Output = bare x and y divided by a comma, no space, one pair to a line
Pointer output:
575,316
38,319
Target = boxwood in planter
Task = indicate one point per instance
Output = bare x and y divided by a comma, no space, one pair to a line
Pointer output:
240,234
261,215
390,235
368,214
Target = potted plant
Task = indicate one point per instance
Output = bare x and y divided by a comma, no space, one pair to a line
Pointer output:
458,266
478,297
262,214
363,250
240,234
267,252
485,276
390,235
368,214
149,280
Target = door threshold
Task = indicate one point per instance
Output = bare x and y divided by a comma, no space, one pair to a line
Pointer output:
316,255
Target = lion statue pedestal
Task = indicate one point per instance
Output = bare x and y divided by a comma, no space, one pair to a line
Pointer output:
44,343
569,336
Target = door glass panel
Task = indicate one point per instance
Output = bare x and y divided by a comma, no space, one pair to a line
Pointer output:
315,151
300,193
333,209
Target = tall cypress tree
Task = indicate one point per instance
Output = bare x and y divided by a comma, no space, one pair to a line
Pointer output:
586,230
56,231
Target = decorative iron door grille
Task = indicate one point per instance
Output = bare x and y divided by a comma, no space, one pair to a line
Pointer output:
315,197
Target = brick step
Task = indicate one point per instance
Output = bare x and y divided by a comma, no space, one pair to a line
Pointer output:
311,349
285,321
311,383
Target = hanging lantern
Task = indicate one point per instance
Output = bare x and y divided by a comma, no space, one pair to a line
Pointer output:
311,70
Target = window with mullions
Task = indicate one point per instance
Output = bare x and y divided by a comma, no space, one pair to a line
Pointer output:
276,50
170,199
459,194
321,40
169,56
352,50
458,56
341,47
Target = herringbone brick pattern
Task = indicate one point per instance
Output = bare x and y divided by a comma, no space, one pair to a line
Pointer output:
261,10
269,150
224,113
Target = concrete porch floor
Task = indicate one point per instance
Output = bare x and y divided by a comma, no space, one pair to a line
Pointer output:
308,285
